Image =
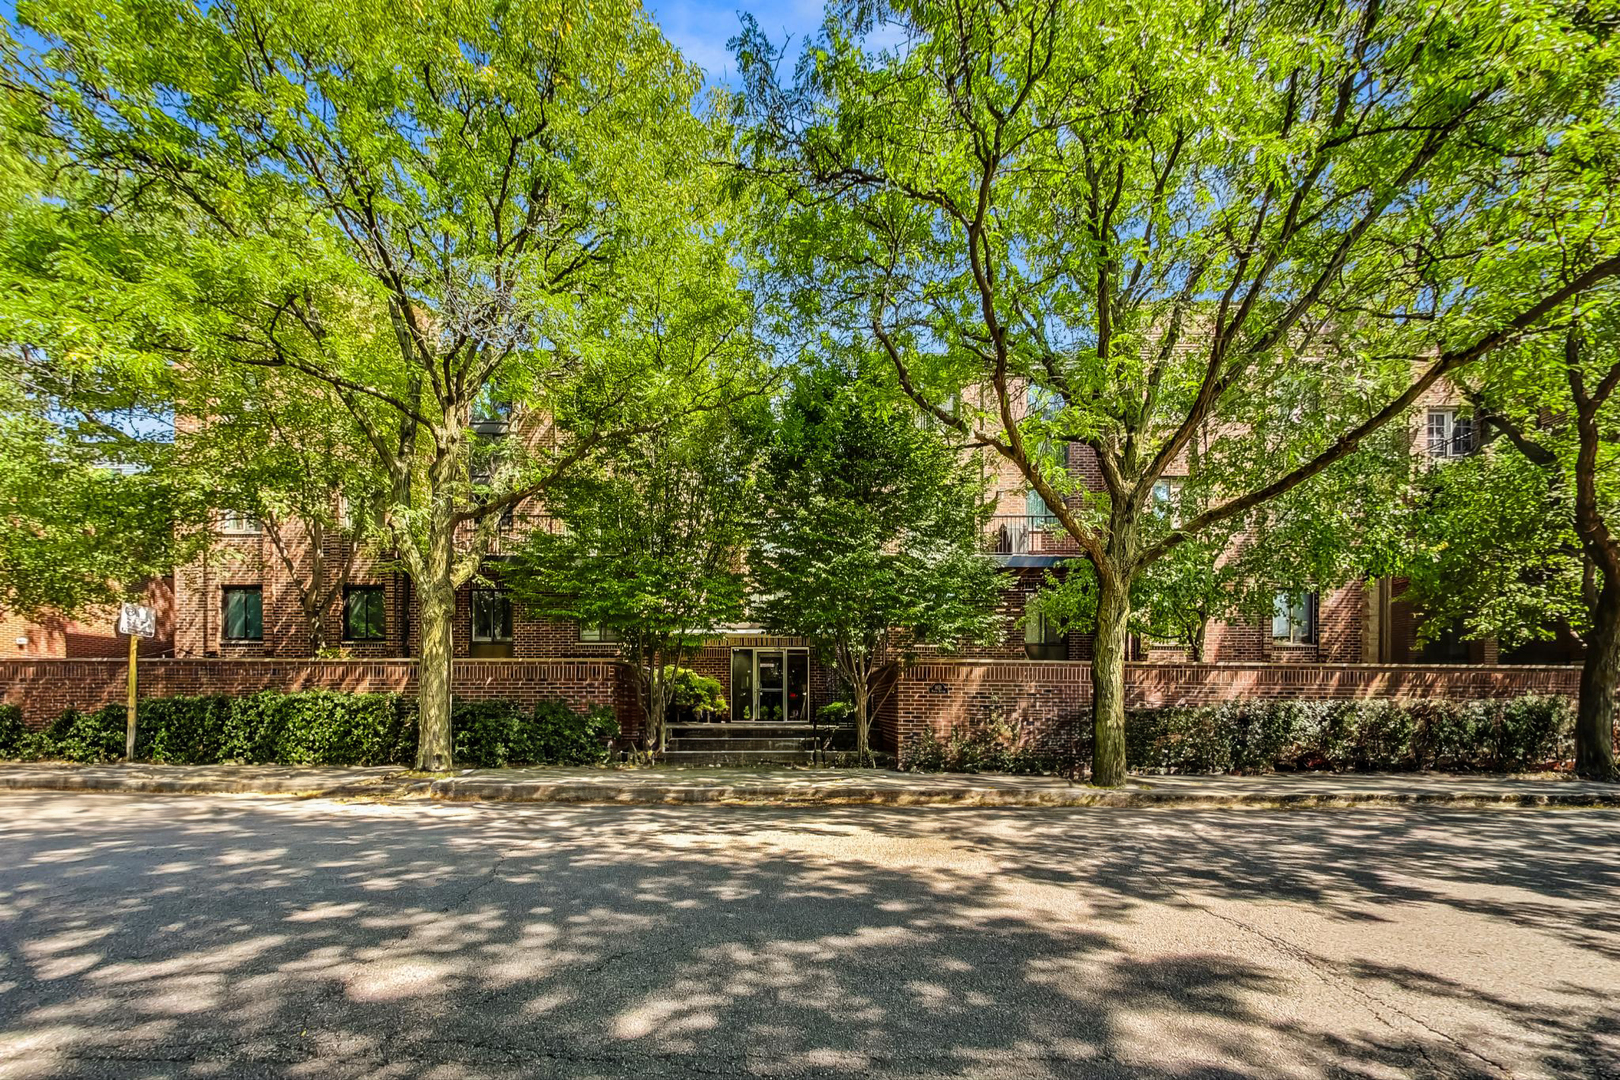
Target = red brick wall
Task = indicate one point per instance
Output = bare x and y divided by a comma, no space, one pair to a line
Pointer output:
93,634
44,688
1050,697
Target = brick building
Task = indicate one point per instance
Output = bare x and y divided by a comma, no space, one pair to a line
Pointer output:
253,596
92,634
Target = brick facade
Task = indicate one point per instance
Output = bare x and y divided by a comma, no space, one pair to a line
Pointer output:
43,688
92,634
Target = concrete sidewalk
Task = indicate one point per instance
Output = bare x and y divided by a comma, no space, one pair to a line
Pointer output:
807,786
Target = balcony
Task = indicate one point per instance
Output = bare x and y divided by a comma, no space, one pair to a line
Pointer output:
1030,540
513,529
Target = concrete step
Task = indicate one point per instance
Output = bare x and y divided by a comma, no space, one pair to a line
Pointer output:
753,729
713,743
743,758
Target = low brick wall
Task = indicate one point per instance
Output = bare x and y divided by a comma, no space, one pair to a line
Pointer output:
43,688
1050,697
937,694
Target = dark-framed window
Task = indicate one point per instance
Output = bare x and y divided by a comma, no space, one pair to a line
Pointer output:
244,612
491,615
1043,640
598,633
365,613
1293,619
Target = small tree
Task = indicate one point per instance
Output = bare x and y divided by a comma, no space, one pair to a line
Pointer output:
650,551
872,540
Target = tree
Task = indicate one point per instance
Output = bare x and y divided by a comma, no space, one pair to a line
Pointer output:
421,209
651,549
84,522
1524,535
872,539
1172,221
88,513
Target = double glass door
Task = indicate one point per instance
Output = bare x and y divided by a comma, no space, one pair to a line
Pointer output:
770,685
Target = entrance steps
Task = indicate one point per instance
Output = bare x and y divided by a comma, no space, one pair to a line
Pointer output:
754,743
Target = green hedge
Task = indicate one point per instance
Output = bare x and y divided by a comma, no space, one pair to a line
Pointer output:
1492,735
317,727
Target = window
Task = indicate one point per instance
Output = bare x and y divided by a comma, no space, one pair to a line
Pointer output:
1450,433
770,685
244,613
239,522
365,615
598,633
1042,638
1042,402
1293,620
491,615
1167,499
1036,509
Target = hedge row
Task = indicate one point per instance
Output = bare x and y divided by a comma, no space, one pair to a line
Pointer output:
316,727
1490,735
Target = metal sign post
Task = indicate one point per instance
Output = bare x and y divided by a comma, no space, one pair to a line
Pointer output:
138,621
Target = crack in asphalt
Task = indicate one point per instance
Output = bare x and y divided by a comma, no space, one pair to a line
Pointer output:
1325,971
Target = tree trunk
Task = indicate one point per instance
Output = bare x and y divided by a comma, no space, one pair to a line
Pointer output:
1108,682
433,686
1594,720
438,599
863,721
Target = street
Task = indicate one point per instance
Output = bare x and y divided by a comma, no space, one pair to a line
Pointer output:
241,936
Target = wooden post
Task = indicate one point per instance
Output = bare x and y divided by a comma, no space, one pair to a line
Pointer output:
129,717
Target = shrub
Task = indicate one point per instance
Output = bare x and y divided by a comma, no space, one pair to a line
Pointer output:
696,697
835,713
12,731
317,727
1498,734
996,746
496,734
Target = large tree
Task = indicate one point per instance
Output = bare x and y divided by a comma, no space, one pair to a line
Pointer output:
419,208
1524,535
650,550
871,542
1173,221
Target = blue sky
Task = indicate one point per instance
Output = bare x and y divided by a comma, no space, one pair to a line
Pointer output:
701,28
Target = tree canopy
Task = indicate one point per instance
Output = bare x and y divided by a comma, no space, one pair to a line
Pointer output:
427,211
1270,227
871,541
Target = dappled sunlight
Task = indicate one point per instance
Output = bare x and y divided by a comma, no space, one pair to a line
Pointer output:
324,939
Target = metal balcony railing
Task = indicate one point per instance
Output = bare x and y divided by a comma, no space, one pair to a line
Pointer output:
1029,534
512,530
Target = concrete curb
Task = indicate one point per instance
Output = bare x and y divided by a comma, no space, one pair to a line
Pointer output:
477,789
148,785
482,791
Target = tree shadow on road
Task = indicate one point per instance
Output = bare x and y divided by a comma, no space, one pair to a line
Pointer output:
198,936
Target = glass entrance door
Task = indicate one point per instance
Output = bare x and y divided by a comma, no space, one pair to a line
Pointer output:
770,685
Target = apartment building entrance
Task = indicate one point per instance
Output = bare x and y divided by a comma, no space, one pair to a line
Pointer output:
770,686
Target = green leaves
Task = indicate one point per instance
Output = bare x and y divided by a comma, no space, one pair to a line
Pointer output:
872,525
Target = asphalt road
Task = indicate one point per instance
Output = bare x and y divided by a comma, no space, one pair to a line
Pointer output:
224,936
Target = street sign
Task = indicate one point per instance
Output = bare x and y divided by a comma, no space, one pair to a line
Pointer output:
137,620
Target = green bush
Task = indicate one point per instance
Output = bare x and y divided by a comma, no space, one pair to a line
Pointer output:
992,747
1497,734
696,697
317,727
496,734
12,731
